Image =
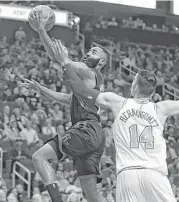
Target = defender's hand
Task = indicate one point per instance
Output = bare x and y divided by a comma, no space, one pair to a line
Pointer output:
38,21
60,53
29,85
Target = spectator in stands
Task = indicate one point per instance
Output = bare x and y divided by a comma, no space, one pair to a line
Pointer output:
20,34
73,197
129,22
57,114
173,168
88,27
18,152
2,195
129,61
109,149
177,194
156,97
120,82
138,23
62,182
112,22
36,195
25,110
35,123
160,82
40,112
12,195
164,28
33,102
20,120
45,196
48,129
4,42
29,134
6,115
11,131
21,194
110,198
7,95
37,198
74,188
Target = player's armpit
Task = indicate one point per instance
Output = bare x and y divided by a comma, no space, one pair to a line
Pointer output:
109,100
168,107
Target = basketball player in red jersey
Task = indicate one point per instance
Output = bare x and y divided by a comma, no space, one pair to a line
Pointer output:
85,140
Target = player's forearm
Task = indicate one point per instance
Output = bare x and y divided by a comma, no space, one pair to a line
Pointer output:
47,42
77,85
62,98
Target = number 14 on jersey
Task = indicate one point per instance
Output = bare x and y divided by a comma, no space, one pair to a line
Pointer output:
144,138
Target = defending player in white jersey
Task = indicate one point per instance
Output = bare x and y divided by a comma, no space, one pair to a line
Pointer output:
137,129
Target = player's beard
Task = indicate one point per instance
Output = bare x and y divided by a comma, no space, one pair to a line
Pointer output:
91,62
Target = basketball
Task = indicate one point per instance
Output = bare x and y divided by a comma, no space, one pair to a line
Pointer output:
44,12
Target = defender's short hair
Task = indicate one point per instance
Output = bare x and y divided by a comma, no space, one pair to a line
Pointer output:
147,82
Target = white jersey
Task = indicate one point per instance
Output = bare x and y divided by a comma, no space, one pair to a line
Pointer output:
138,136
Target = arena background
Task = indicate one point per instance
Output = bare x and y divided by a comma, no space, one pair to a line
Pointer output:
143,35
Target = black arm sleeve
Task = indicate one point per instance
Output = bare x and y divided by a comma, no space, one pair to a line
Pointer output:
78,86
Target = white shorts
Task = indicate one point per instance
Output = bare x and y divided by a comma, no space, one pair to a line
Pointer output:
143,185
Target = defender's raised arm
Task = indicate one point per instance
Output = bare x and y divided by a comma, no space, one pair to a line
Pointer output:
168,108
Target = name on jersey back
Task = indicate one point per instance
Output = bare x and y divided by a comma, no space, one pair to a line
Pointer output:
139,114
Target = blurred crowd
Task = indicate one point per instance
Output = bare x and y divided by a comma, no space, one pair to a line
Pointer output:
27,121
130,22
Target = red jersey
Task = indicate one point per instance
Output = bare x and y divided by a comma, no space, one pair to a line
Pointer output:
81,109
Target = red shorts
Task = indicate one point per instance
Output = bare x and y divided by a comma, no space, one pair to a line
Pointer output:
84,142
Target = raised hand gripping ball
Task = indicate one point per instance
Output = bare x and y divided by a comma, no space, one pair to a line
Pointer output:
44,12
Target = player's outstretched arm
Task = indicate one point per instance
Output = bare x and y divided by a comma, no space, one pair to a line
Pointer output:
40,23
108,100
168,108
47,42
62,98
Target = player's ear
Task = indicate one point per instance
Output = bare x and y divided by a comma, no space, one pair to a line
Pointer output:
101,62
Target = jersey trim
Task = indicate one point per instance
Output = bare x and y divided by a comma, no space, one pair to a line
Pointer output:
125,101
139,167
130,168
155,107
95,77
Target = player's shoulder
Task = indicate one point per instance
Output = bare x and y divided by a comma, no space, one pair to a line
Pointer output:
164,108
83,71
162,104
115,101
81,65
